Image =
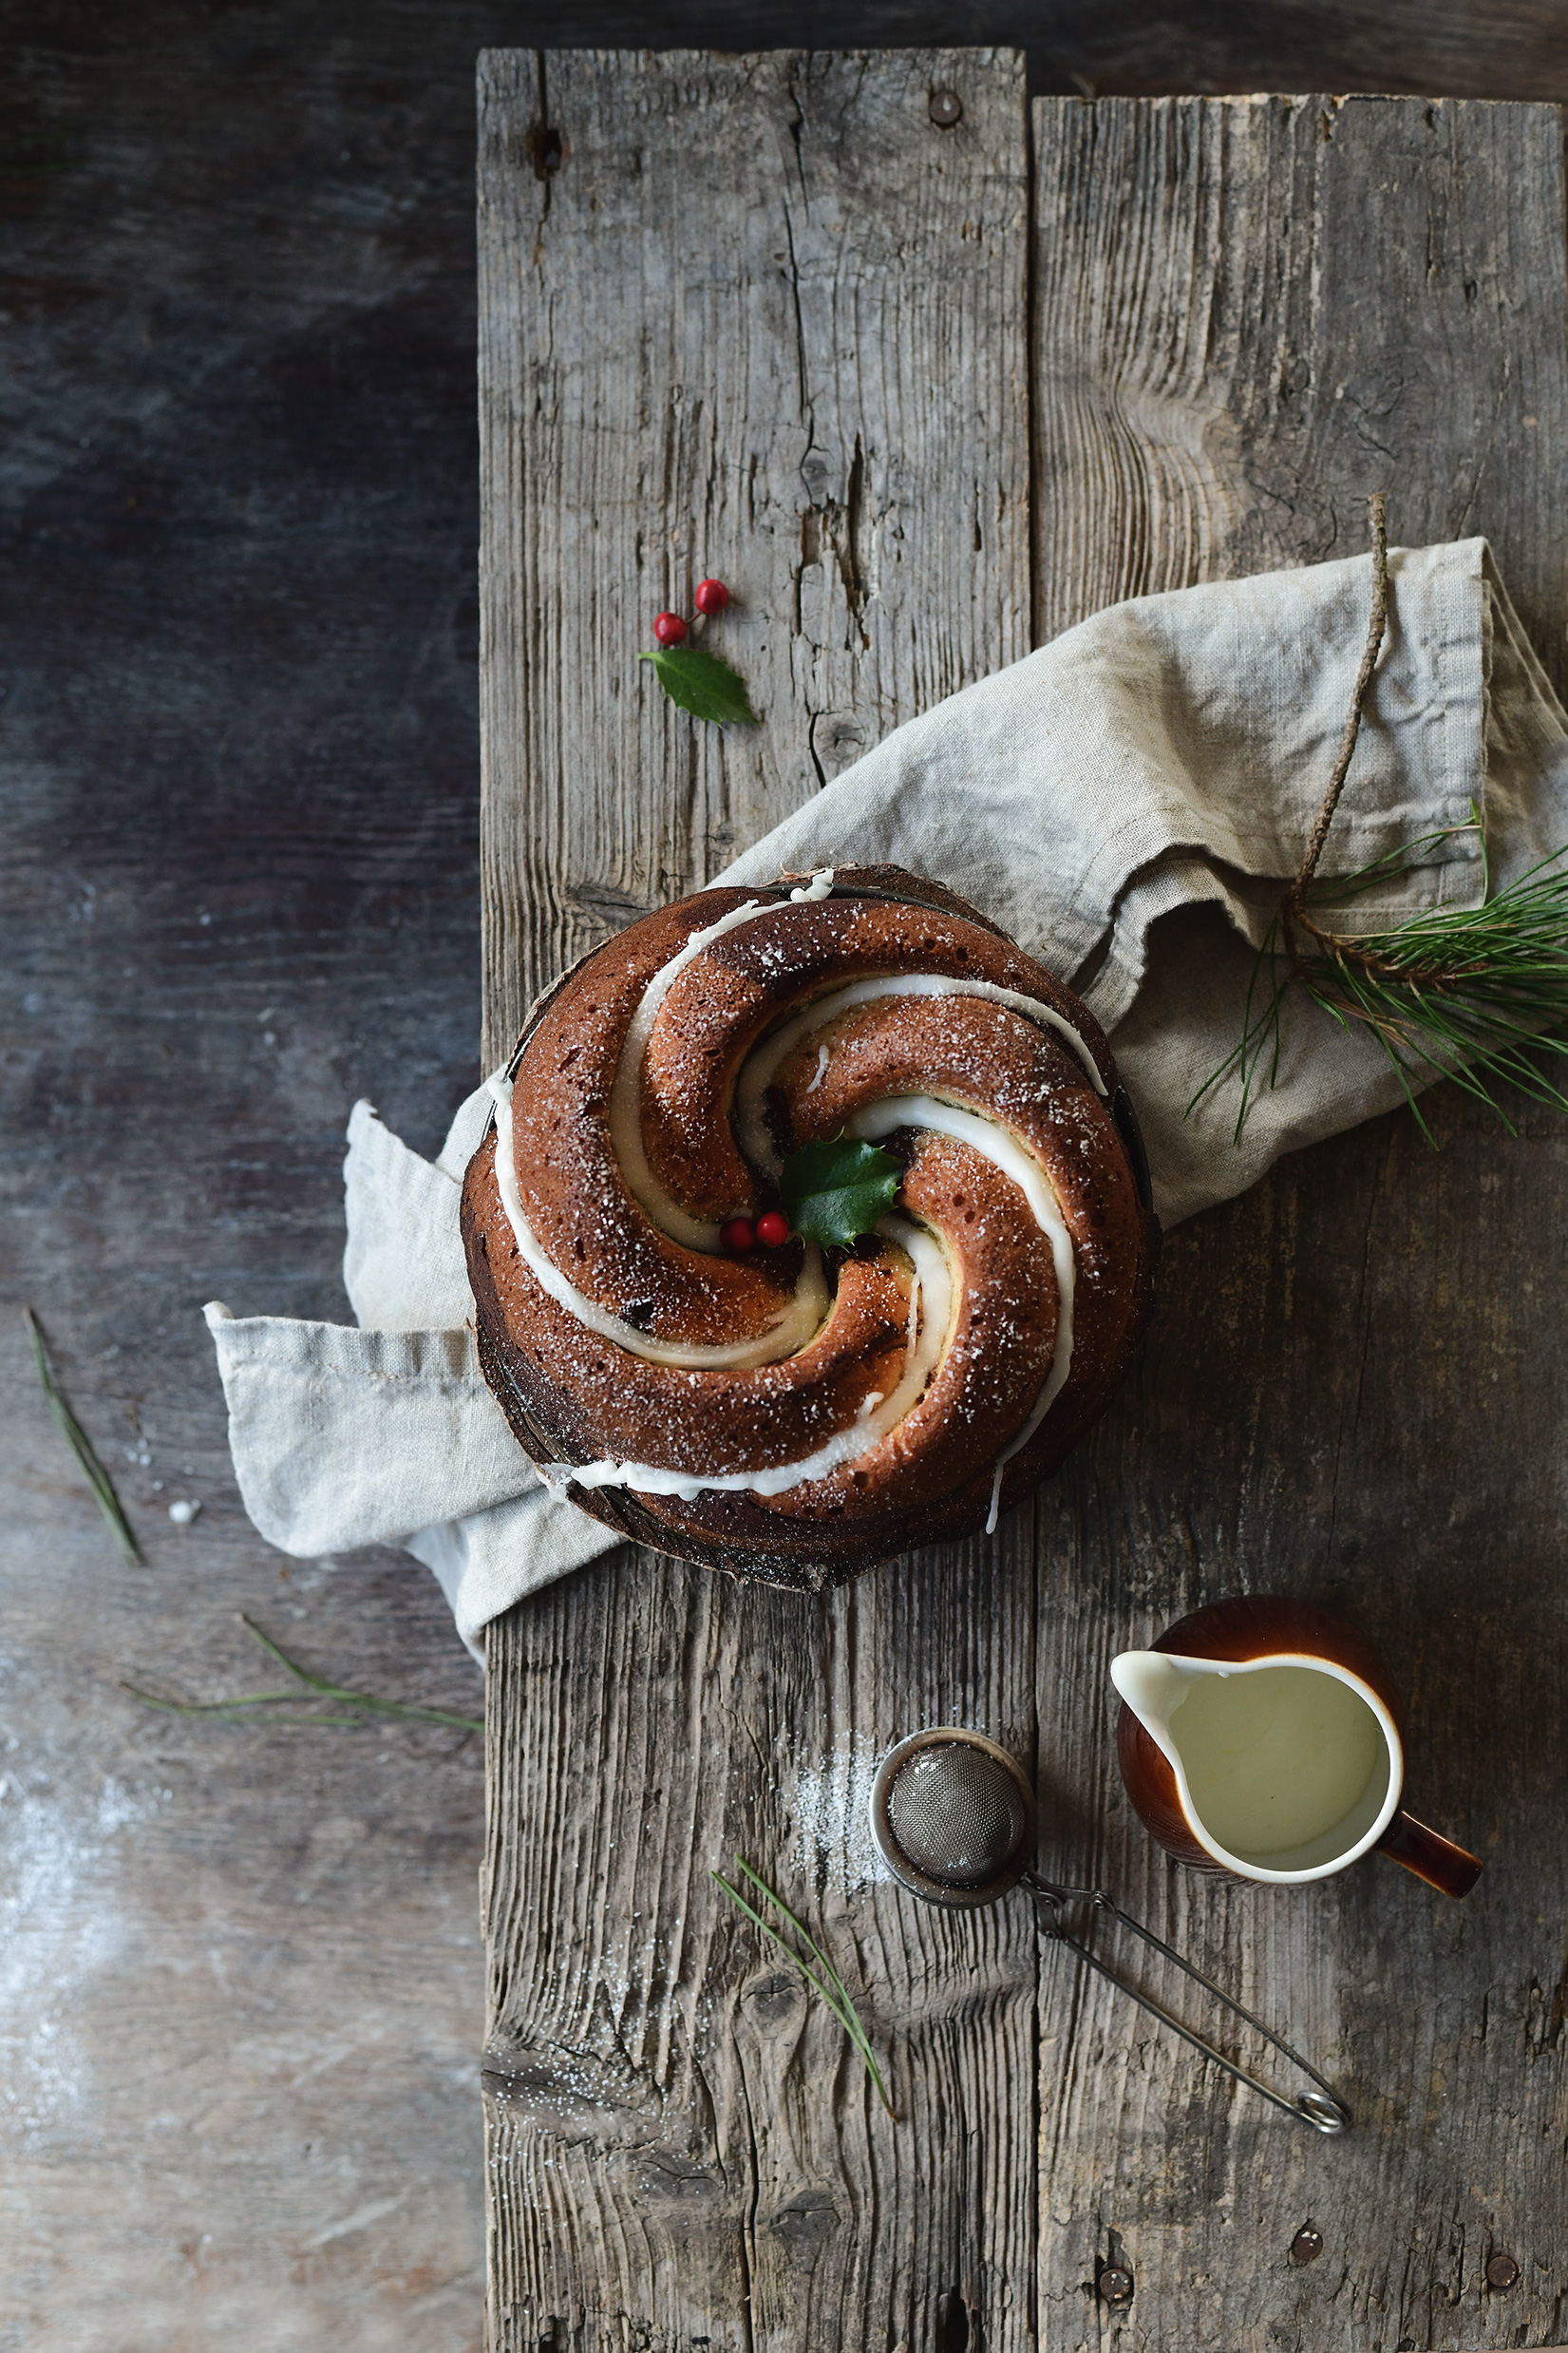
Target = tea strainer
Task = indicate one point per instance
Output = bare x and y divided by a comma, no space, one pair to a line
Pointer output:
953,1815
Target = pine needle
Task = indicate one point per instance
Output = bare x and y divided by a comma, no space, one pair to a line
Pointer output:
81,1444
824,1978
365,1702
1471,994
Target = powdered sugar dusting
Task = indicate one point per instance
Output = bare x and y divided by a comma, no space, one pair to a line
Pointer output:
57,1852
830,1810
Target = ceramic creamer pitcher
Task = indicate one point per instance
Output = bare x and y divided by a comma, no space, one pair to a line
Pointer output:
1264,1737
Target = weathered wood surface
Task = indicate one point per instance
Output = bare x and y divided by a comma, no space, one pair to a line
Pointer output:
1250,314
765,321
240,291
761,319
240,1970
655,2175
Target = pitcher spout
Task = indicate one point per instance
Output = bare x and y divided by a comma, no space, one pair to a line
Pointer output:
1153,1685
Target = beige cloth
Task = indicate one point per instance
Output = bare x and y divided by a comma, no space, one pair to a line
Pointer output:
1128,803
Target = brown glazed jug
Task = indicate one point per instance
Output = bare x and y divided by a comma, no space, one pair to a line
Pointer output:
1265,1738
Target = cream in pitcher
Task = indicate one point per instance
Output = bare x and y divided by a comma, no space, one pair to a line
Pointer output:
1262,1738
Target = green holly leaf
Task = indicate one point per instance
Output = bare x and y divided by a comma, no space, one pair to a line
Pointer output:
703,685
835,1192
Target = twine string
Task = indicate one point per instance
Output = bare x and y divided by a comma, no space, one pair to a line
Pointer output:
1294,911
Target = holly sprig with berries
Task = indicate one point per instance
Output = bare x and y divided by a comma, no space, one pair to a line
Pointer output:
833,1192
701,682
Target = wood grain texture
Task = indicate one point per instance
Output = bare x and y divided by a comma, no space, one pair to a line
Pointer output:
820,395
1355,1382
762,320
1252,313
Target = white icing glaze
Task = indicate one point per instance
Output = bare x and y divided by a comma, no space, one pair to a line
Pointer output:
761,1064
786,1334
929,1322
626,1090
1014,1160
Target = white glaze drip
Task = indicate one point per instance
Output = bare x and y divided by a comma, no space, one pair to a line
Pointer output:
1014,1160
929,1321
761,1064
626,1090
789,1332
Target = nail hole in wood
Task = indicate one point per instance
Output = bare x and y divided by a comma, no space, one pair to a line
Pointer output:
546,150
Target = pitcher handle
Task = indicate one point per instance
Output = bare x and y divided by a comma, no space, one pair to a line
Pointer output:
1437,1860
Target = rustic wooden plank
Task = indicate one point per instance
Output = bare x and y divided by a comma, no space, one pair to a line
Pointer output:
725,335
764,319
1254,312
1249,315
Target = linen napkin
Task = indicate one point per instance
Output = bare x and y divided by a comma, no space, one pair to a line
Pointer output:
1130,804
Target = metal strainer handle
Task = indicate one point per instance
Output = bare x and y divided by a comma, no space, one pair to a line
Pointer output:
965,1835
1322,2109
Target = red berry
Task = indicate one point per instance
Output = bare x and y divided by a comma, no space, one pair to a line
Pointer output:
772,1228
669,628
737,1235
711,596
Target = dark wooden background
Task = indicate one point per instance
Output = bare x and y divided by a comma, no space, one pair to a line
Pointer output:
239,1986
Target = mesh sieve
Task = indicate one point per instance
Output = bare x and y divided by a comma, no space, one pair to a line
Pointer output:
954,1816
957,1815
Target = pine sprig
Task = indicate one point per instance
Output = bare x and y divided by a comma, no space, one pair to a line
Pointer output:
81,1444
1471,994
366,1704
824,1978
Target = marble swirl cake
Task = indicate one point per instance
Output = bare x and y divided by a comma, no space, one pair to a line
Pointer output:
790,1413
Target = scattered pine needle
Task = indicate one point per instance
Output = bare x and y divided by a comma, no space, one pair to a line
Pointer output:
824,1978
364,1703
81,1444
